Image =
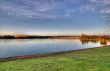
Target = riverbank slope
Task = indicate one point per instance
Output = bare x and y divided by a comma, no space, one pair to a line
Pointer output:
96,59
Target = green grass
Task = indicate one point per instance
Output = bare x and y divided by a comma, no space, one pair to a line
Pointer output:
97,59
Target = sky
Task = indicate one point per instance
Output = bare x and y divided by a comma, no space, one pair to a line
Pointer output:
47,17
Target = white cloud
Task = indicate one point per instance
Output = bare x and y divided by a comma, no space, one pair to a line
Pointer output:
106,2
98,6
50,9
105,11
31,8
35,8
101,1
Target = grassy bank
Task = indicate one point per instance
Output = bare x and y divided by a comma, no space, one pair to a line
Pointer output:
97,59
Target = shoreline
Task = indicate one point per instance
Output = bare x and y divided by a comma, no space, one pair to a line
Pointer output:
45,54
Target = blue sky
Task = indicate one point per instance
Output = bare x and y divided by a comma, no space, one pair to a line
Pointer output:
54,16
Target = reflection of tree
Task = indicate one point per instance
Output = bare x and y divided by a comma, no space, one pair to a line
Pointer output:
104,42
87,41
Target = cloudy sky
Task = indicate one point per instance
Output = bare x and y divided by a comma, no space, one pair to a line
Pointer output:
54,16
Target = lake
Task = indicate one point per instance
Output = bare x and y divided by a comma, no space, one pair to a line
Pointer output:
21,47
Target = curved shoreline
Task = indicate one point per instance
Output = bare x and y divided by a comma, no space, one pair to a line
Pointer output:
45,54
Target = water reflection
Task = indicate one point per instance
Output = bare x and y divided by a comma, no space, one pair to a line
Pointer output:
102,41
19,47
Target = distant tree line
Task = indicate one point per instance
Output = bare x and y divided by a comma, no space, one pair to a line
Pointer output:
92,37
22,37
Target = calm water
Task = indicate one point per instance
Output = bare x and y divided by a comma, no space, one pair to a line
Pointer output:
10,48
